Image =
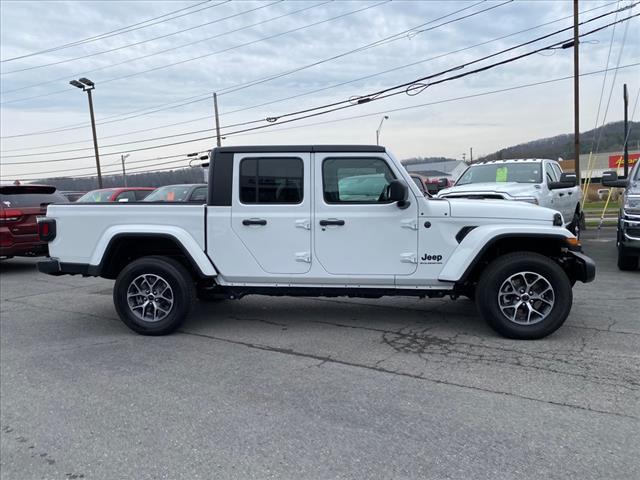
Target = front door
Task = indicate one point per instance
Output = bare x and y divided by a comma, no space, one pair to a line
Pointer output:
357,231
271,210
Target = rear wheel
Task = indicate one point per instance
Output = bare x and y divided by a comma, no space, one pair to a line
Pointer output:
524,295
153,295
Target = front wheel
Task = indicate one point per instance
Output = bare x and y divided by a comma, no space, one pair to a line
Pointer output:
524,295
627,262
578,223
153,295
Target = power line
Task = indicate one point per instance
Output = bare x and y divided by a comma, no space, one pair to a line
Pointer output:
378,93
120,31
86,72
168,65
413,87
207,97
311,91
411,107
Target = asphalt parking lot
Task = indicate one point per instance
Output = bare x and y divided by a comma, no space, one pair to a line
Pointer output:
316,388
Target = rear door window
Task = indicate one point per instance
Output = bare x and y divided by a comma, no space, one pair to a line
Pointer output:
271,180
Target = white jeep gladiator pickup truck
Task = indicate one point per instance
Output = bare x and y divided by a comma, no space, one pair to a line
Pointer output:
532,180
327,220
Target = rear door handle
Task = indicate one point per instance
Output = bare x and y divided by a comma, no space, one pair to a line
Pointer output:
561,194
254,221
570,193
333,221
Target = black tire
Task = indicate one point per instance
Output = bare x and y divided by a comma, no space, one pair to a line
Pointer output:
578,223
627,262
496,275
182,293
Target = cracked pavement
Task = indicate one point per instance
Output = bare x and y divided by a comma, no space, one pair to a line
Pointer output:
316,388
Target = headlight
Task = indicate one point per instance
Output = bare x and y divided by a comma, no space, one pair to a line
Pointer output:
533,200
632,203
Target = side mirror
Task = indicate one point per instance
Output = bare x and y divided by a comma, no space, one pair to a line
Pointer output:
610,179
567,180
443,182
399,192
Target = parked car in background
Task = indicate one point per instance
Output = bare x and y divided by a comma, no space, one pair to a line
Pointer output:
628,239
189,192
531,180
73,196
120,194
421,183
20,206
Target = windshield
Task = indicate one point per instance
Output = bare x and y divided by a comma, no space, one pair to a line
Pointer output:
96,196
529,172
172,193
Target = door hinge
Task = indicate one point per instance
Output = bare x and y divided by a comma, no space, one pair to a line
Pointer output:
304,257
304,223
408,258
410,223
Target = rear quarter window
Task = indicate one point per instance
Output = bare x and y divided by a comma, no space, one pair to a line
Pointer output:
15,200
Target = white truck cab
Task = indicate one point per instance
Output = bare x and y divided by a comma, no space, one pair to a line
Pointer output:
533,180
320,220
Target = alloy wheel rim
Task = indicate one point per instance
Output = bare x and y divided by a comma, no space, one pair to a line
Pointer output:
526,298
150,297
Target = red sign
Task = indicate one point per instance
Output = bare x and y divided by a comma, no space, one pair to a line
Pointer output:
617,161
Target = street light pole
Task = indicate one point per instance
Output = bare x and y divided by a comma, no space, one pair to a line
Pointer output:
124,173
386,117
87,85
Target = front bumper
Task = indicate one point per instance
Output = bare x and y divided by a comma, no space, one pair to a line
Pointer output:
580,267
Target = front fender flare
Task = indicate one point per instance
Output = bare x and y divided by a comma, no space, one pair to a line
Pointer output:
476,243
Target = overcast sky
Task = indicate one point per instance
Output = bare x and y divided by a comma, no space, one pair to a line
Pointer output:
230,44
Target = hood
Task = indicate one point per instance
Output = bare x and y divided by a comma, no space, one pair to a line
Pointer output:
505,189
507,209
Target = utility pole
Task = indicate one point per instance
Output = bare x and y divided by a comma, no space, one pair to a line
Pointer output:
576,91
215,109
124,173
470,154
87,85
625,94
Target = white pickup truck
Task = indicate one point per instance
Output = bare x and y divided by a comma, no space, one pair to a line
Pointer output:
327,220
532,180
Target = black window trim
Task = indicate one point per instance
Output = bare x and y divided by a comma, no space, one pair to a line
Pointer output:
354,202
242,159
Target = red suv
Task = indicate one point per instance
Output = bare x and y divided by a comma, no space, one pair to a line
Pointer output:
20,206
119,194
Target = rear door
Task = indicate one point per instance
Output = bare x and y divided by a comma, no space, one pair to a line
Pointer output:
357,230
271,210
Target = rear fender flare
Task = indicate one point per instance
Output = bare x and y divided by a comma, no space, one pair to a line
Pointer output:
185,241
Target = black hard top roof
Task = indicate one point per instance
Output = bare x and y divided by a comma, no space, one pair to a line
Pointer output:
299,148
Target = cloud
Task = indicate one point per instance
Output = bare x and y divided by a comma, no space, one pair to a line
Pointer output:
486,123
